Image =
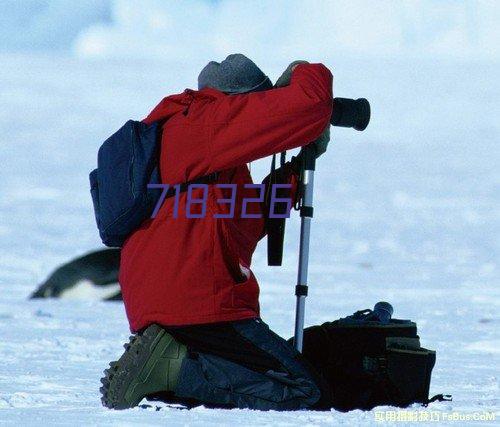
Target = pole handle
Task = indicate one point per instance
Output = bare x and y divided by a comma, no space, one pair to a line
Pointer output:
309,157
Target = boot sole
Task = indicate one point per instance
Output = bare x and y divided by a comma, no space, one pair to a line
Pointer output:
131,378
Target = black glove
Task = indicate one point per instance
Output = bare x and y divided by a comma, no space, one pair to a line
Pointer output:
320,145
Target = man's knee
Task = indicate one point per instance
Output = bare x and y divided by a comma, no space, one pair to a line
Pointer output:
270,375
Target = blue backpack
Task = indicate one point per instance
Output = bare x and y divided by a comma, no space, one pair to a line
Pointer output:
126,163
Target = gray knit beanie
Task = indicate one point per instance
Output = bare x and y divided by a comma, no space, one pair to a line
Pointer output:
236,74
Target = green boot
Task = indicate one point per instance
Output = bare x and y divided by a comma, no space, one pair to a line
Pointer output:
150,364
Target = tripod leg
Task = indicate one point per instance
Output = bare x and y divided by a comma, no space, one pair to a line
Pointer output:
306,213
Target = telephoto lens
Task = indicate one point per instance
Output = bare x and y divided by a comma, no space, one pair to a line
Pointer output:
351,113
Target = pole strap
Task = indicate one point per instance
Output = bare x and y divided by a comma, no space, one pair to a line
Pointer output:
301,290
306,211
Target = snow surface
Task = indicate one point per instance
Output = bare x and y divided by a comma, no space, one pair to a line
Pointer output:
407,211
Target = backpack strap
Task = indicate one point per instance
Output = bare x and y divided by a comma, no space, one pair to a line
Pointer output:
275,226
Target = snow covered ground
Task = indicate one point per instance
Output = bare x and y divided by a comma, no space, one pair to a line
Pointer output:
407,211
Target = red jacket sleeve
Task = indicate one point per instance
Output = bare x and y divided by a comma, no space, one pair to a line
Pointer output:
251,126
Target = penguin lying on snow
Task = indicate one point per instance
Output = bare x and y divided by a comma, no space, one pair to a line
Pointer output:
93,276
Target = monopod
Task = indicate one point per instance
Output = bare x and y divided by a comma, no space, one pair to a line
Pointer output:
346,113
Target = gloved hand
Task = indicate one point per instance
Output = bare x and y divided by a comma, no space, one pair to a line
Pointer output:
284,79
322,142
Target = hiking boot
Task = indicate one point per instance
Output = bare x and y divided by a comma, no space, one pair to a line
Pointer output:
150,364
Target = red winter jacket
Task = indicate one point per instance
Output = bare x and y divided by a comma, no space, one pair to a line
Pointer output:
182,271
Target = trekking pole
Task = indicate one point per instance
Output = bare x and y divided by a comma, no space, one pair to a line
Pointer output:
346,113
